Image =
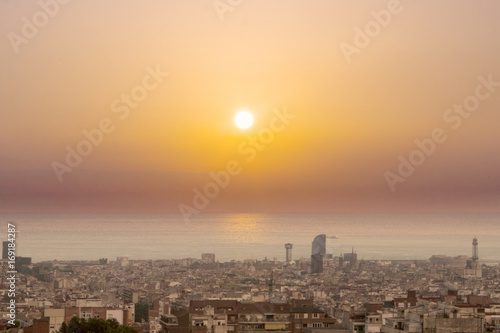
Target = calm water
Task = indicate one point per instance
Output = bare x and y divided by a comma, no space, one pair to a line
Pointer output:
241,236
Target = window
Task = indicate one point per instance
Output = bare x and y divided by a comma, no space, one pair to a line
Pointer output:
96,316
316,315
297,326
297,316
305,315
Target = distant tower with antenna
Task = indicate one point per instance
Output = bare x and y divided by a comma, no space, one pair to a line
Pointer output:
288,248
472,268
475,253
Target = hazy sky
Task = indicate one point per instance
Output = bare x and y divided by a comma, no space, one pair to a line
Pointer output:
359,100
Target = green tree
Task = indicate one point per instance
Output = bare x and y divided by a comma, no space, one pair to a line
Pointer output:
141,312
94,325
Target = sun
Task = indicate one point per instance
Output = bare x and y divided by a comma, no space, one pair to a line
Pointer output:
243,119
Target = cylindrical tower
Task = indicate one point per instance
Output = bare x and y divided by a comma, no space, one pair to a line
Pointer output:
288,248
475,253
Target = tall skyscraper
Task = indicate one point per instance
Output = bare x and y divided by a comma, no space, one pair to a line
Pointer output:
317,254
316,263
319,245
288,248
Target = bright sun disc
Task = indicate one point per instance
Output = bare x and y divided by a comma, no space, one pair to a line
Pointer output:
243,119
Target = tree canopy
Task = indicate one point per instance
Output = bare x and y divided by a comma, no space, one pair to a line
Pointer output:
94,325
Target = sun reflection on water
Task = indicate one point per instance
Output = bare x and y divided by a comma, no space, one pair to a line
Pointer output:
245,227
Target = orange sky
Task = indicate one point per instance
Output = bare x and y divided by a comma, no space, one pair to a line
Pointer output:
353,117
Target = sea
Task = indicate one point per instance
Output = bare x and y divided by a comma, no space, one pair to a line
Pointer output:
235,236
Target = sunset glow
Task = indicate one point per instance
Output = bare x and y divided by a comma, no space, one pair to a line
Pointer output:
243,119
134,108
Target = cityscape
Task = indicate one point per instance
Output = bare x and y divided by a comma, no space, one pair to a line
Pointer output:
325,293
250,166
